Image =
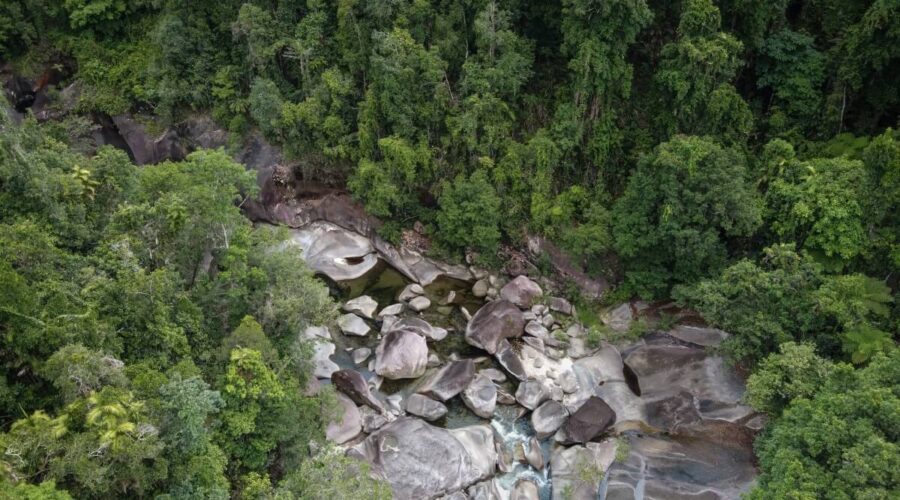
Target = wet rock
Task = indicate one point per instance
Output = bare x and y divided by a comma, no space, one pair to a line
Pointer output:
352,324
576,472
481,396
354,385
494,322
395,403
401,354
548,418
531,393
534,455
361,355
592,419
422,461
525,489
391,310
521,291
350,424
419,304
419,326
363,305
449,380
410,292
323,365
560,305
425,407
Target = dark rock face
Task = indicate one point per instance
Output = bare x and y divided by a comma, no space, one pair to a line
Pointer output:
21,93
449,380
589,421
495,321
352,383
147,150
510,361
423,461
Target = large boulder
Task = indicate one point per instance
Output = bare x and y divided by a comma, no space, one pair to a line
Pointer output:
521,291
349,425
588,422
352,383
666,369
419,460
576,472
425,407
401,354
363,305
449,380
494,322
481,396
548,418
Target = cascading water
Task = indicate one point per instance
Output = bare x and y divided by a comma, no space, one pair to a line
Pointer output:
513,432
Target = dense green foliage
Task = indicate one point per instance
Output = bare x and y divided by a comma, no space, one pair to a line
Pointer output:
740,157
152,339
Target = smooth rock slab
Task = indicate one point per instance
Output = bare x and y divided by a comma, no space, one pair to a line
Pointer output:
481,396
401,354
422,461
521,291
494,322
361,355
425,407
352,324
449,380
391,310
323,365
363,305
